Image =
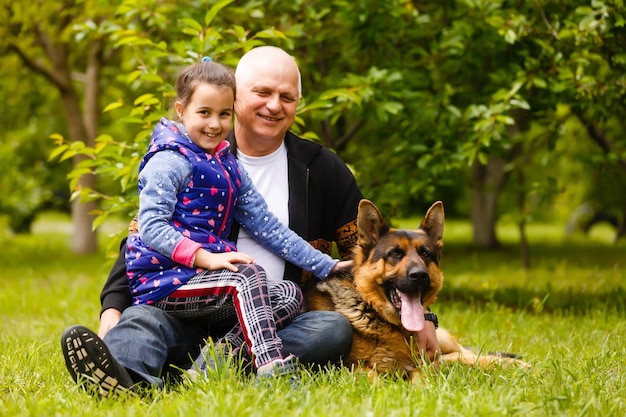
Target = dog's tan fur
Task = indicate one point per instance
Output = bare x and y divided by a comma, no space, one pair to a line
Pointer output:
407,261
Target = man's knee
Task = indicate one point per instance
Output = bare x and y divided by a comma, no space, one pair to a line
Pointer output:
337,327
318,337
141,324
144,315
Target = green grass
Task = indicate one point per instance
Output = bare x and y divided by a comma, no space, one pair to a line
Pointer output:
566,316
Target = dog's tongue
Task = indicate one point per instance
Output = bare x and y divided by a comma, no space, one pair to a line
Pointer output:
412,315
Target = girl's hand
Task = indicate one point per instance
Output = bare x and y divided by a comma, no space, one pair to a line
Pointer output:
342,267
213,261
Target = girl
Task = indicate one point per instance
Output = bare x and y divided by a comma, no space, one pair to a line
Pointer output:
190,191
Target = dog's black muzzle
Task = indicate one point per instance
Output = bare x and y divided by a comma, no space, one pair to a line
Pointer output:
419,275
416,280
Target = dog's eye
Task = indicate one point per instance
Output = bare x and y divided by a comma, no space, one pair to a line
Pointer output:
424,254
395,254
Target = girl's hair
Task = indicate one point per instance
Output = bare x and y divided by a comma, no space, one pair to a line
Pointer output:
209,72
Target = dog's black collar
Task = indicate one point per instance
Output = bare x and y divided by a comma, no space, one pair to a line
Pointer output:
432,317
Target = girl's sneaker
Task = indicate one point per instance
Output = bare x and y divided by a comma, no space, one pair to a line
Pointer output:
284,368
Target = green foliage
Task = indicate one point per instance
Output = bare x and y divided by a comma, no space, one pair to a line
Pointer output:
409,93
483,67
28,183
154,50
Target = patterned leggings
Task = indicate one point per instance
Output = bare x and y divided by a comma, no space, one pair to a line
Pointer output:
260,306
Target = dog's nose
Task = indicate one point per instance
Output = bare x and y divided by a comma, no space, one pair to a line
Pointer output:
420,276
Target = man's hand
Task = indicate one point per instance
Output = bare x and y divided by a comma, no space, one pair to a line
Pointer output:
428,342
108,319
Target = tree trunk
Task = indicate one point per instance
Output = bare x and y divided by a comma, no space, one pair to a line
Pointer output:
486,183
84,239
521,206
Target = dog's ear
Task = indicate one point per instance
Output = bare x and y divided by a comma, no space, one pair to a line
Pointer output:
370,224
433,223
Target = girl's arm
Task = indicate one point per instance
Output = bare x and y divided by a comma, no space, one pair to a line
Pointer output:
253,215
162,178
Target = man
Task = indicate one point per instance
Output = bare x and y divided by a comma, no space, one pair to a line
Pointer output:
306,186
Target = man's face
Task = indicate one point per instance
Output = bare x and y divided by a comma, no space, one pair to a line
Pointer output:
266,101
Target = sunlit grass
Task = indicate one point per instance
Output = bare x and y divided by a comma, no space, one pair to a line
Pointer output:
566,316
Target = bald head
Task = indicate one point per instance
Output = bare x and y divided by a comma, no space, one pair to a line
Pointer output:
269,58
268,92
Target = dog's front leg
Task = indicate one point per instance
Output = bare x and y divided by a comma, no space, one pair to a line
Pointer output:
452,351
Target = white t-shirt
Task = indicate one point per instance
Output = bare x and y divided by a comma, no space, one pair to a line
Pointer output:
270,177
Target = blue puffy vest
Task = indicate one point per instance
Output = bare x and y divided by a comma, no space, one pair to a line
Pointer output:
204,213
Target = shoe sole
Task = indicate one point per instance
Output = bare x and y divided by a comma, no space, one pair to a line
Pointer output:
91,365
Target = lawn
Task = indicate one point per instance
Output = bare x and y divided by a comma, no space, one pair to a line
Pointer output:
566,316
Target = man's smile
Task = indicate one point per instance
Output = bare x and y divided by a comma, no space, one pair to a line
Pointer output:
270,119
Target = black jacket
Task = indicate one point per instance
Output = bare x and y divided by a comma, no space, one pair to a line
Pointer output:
323,203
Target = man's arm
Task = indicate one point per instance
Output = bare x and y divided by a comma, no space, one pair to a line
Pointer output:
115,295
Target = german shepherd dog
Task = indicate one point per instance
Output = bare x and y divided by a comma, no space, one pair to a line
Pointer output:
395,278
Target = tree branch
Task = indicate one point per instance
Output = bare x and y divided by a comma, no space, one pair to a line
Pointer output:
343,140
547,22
35,66
599,138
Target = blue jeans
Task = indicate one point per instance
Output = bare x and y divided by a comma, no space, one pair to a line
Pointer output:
148,341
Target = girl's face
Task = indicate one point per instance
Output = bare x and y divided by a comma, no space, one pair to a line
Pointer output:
208,115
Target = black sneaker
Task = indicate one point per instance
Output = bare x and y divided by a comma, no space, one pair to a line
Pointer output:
91,365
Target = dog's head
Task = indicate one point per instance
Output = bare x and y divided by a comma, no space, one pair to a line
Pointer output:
397,270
